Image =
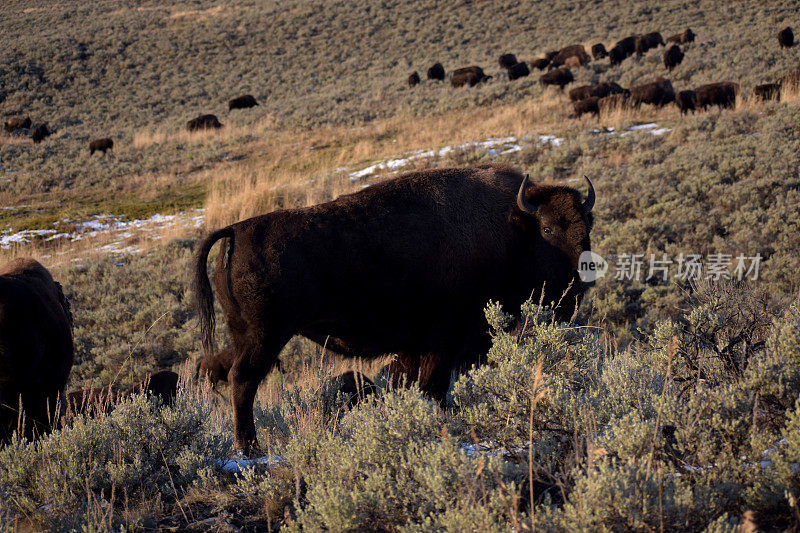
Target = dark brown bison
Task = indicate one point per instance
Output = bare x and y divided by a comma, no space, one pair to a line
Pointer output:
405,266
628,44
35,347
658,92
599,51
471,76
579,93
617,55
573,50
508,60
162,384
560,76
100,145
768,91
540,63
413,79
92,401
573,62
686,101
17,123
244,101
722,94
587,105
786,37
551,54
436,72
203,122
517,71
647,42
682,38
673,57
354,386
39,133
601,90
614,102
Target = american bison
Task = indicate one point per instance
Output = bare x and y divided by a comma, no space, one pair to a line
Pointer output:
573,50
244,101
39,133
508,60
768,91
203,122
551,54
628,44
786,37
573,62
722,94
519,70
162,384
36,349
647,42
471,76
540,63
560,76
405,266
617,55
601,90
686,101
354,387
673,57
599,51
436,72
579,93
100,145
658,92
587,105
92,401
682,38
215,367
17,123
413,79
790,80
614,102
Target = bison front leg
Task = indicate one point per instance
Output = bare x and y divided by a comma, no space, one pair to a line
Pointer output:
250,366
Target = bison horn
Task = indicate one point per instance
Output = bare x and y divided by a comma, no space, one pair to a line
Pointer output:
522,202
589,203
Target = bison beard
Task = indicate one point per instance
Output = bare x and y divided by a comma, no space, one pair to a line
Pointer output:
405,266
35,346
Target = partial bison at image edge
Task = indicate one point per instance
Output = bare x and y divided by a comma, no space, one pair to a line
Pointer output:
405,266
36,349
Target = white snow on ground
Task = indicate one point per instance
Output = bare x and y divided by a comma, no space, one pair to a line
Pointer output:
116,228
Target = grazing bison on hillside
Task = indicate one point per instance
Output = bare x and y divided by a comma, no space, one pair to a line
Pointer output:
613,102
519,70
658,92
540,63
601,90
413,79
722,94
39,133
17,123
573,50
203,122
768,91
560,76
587,105
36,349
100,145
551,54
628,44
686,101
579,93
786,37
673,57
508,60
436,72
599,51
405,266
163,384
617,55
647,42
471,76
244,101
682,38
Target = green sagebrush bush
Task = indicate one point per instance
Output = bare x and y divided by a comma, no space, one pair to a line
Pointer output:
142,449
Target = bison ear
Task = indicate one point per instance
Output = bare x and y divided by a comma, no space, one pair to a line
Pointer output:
588,204
522,201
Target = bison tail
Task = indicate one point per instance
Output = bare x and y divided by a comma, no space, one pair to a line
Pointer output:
204,296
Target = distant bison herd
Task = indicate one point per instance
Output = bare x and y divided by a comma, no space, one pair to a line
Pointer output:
606,96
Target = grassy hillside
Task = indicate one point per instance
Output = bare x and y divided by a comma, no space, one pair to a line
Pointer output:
666,406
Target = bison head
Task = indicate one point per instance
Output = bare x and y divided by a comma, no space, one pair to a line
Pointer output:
558,221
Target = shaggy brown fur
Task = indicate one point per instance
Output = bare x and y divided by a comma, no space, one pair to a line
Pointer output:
768,91
471,76
573,50
541,63
507,60
560,77
658,92
786,37
405,266
203,122
413,79
722,94
244,101
35,346
682,38
673,57
518,71
599,51
686,101
100,145
587,105
39,133
17,123
648,41
436,72
215,367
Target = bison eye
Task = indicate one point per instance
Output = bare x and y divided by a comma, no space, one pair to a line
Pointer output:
547,231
